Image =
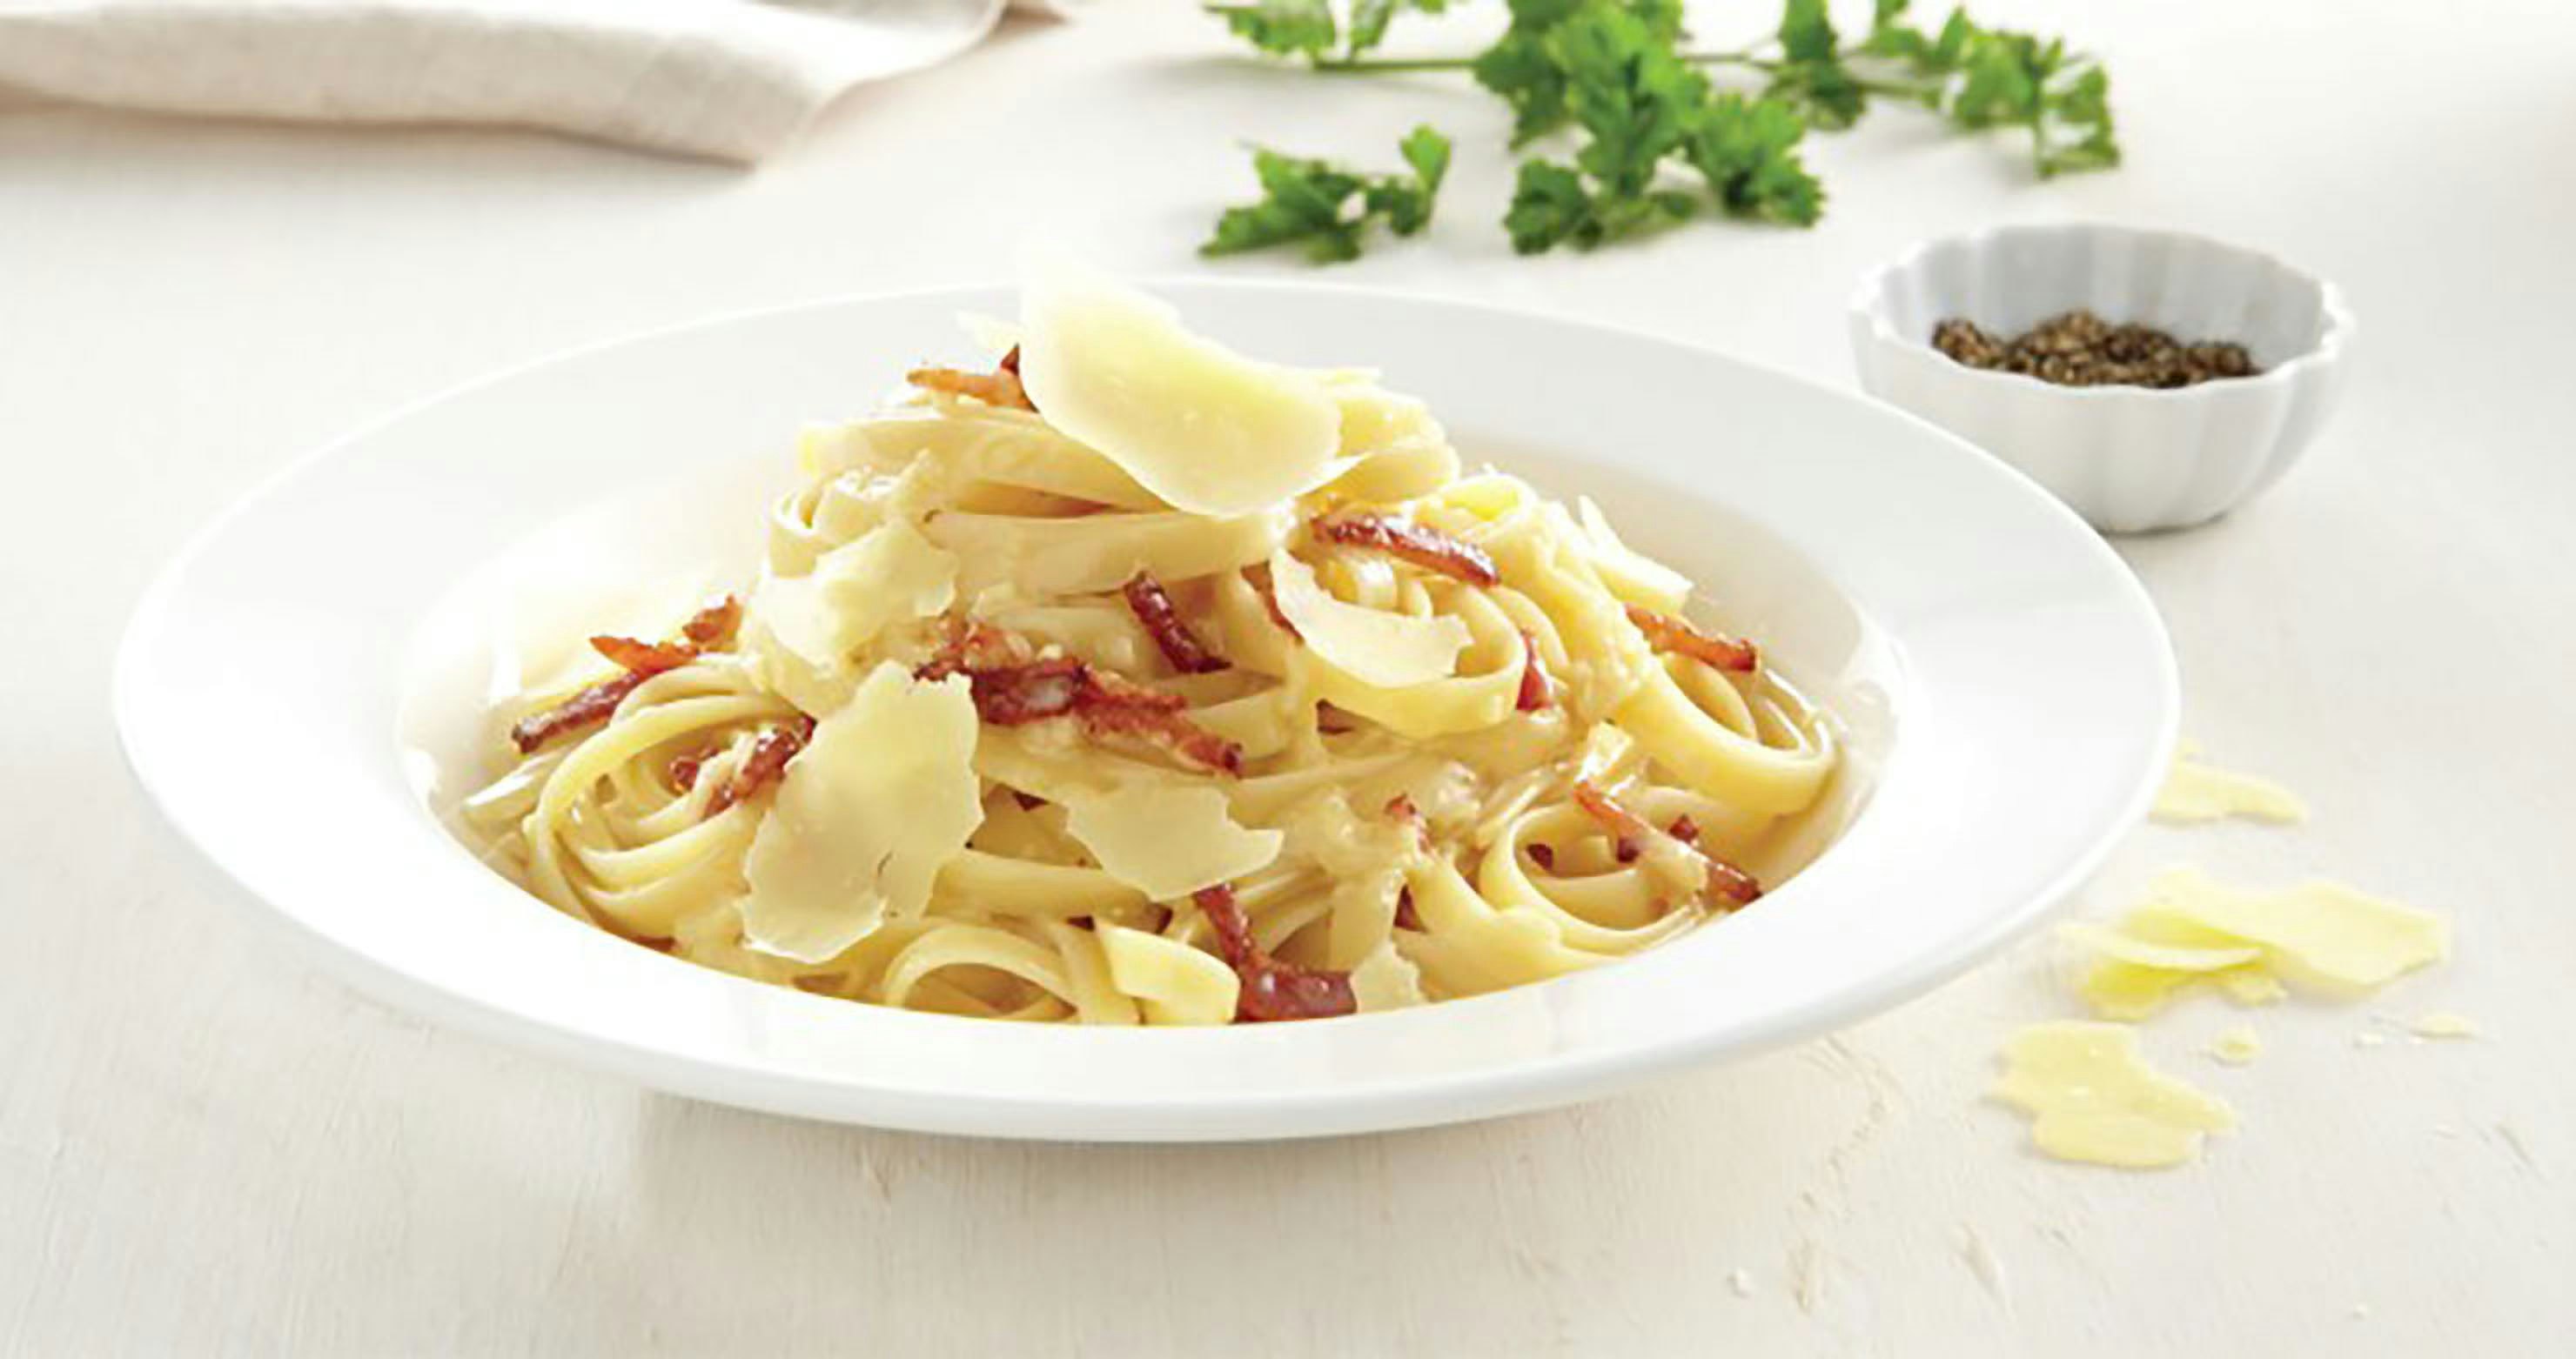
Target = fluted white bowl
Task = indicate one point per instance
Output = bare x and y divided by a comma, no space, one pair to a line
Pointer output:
2129,459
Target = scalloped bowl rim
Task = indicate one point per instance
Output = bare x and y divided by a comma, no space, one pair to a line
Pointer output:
2335,327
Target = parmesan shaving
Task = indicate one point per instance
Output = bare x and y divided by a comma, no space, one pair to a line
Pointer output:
2129,948
1202,427
1387,650
805,628
882,796
1169,840
1386,980
2321,933
2237,1046
2443,1024
2092,1098
2195,792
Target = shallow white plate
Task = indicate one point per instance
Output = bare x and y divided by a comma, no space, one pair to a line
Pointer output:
299,691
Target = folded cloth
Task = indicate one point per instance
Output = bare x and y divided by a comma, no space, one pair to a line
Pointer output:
731,79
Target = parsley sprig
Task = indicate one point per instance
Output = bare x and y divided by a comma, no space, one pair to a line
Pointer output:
1309,203
1616,74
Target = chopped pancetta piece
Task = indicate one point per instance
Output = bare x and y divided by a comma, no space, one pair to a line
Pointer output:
644,658
1001,387
1153,608
1723,880
684,771
1537,690
1664,632
640,660
1406,918
714,624
1427,548
765,765
585,708
1272,990
1012,686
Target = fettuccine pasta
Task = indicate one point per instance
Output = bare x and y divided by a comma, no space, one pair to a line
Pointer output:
1137,682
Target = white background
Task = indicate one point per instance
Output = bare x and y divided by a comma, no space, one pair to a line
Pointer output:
204,1145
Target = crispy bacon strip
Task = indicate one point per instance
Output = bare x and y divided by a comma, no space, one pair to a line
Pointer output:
1537,690
1001,387
1028,693
1427,548
765,765
1406,918
1270,606
1542,855
684,770
1153,608
1117,708
1272,990
1684,829
589,706
644,658
1012,688
715,623
973,644
1725,880
640,660
1666,633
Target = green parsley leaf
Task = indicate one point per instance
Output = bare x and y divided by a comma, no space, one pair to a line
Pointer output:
2074,130
1748,150
1308,202
1549,206
1998,78
1405,204
1811,74
1520,68
1630,92
1369,19
1284,28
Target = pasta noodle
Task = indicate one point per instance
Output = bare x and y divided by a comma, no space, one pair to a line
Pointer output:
1027,717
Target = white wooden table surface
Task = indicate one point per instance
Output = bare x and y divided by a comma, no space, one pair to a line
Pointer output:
206,1146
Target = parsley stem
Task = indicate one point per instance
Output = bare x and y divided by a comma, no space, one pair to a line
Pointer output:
1347,65
1746,57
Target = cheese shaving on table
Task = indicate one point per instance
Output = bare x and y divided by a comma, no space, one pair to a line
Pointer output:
2194,791
2443,1024
2319,934
2237,1046
2093,1098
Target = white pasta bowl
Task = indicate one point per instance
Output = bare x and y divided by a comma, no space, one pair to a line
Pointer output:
2129,459
298,691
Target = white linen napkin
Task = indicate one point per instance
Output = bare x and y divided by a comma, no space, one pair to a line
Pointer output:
731,79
